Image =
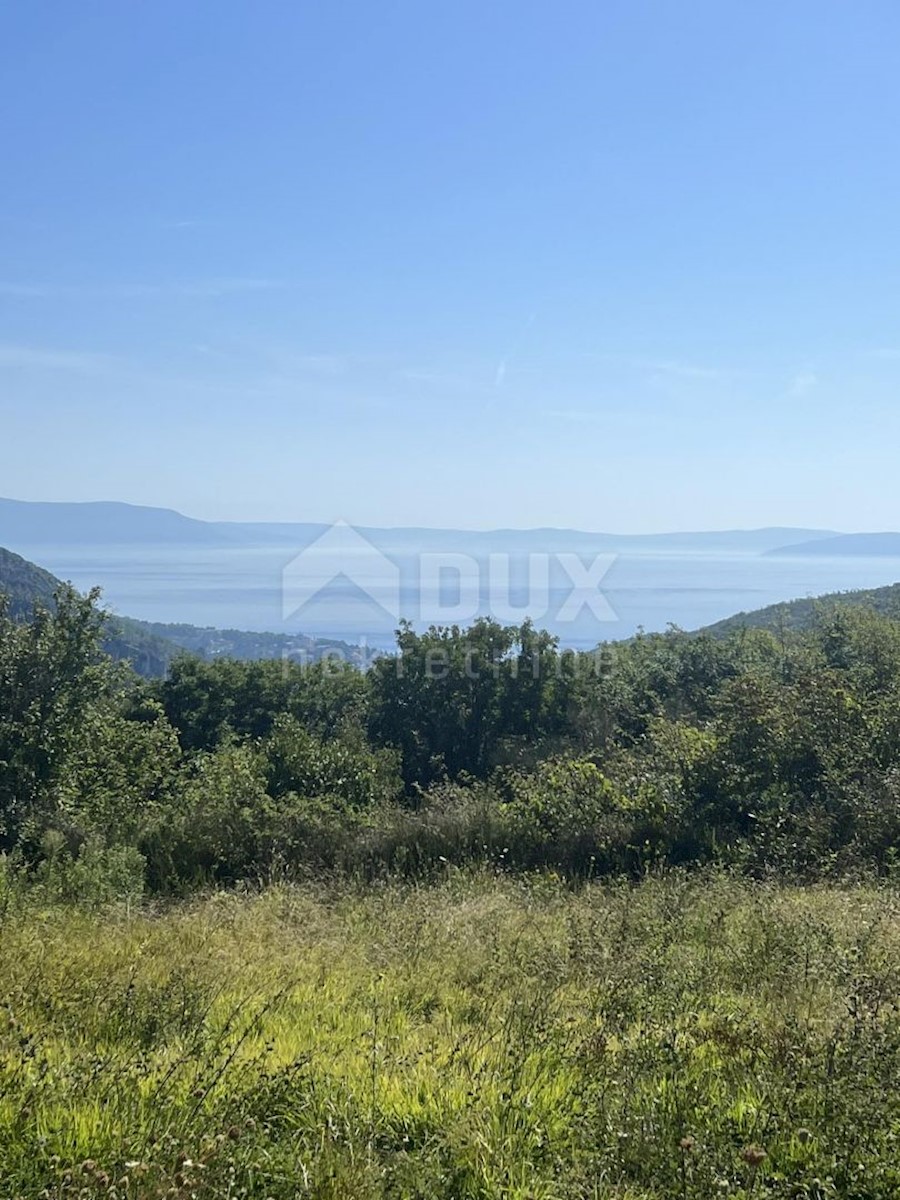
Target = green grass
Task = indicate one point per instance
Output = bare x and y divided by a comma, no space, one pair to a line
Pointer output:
479,1037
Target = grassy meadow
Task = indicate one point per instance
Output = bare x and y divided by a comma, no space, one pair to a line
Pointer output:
480,1036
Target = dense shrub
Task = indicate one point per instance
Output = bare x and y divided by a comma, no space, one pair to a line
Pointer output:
769,749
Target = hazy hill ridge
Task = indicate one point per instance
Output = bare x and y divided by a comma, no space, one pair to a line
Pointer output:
26,524
874,545
104,522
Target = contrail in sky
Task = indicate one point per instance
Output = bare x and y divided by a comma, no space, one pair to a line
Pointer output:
500,373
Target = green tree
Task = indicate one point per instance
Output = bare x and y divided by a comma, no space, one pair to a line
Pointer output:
453,700
208,701
53,679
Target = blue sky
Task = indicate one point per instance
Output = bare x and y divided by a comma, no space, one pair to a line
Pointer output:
627,266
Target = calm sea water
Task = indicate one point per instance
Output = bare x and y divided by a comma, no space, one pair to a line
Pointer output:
243,588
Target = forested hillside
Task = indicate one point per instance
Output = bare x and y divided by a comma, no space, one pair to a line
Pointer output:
24,584
803,614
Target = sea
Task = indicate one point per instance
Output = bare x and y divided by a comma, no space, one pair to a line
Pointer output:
268,587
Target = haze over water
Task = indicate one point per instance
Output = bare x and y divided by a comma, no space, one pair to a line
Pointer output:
241,588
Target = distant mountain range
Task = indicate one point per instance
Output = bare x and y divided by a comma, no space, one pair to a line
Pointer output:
149,646
27,524
103,523
866,545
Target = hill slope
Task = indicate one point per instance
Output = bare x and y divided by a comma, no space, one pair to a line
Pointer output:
799,614
24,584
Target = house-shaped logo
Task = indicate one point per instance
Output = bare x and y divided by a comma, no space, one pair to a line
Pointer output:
340,556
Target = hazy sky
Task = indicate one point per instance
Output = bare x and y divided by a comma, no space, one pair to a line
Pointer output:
612,265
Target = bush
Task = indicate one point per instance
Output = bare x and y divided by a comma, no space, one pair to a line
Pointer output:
94,876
